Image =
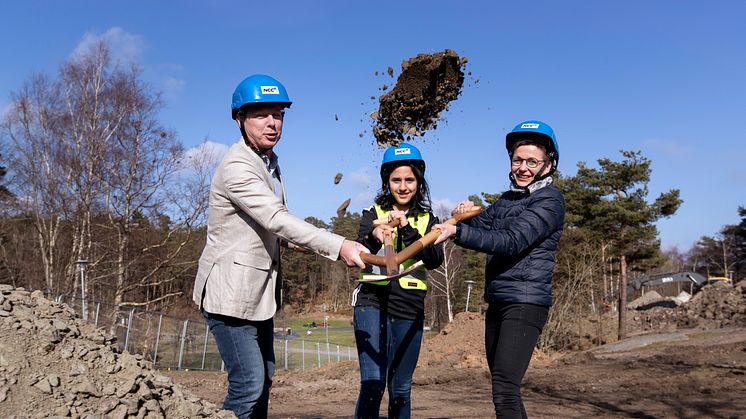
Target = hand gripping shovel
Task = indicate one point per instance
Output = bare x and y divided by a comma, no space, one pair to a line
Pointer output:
391,260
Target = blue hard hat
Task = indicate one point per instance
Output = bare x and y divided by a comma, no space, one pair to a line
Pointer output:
401,153
534,130
259,88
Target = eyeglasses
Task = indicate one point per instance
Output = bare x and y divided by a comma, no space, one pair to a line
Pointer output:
530,163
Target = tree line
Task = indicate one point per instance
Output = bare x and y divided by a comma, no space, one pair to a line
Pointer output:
89,178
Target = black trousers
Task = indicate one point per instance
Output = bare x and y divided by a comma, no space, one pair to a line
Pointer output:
511,333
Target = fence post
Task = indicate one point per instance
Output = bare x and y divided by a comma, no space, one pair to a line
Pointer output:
204,348
318,353
349,354
98,307
303,355
328,353
129,326
157,338
286,354
181,345
337,353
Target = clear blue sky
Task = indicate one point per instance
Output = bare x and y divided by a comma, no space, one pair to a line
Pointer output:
664,77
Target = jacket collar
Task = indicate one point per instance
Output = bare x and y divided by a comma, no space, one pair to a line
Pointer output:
533,187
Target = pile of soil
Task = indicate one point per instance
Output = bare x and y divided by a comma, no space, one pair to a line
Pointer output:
714,306
461,345
53,364
423,90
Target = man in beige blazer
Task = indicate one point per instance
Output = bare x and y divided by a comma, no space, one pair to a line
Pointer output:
237,284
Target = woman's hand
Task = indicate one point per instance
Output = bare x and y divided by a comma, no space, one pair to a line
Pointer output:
462,207
446,232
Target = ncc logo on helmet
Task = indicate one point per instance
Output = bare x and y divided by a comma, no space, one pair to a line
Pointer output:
270,90
530,126
400,151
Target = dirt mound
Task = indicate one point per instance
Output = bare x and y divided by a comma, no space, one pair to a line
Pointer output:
53,364
458,345
427,83
714,306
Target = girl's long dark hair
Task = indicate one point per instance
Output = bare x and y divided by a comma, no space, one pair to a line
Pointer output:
421,199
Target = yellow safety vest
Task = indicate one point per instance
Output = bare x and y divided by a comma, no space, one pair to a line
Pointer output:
415,280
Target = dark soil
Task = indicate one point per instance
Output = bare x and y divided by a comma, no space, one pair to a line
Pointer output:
423,90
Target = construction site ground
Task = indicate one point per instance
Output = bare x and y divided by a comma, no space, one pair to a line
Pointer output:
692,373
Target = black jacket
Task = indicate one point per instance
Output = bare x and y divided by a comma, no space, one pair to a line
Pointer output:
520,233
391,298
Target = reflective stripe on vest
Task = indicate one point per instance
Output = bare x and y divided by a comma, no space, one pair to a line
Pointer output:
416,279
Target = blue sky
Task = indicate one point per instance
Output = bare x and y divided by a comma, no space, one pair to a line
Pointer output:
663,77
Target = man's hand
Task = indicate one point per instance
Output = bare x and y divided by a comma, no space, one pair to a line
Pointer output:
350,253
446,231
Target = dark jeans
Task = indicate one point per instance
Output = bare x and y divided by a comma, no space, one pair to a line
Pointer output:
247,351
511,333
388,349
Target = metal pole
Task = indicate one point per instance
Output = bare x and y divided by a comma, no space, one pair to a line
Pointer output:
183,338
129,326
469,285
83,306
318,353
157,338
204,348
98,307
286,354
303,355
338,353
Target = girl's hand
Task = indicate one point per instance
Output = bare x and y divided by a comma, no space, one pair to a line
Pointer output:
399,216
379,230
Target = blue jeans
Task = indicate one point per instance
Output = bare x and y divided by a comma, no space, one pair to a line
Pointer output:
388,349
247,351
510,335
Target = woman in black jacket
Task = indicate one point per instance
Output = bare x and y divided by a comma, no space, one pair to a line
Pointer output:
389,315
519,233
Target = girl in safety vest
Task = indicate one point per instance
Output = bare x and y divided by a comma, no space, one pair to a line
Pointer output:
389,314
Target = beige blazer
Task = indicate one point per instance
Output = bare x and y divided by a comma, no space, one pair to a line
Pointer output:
237,274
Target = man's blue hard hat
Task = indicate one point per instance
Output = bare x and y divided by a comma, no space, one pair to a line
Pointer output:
259,88
534,130
402,152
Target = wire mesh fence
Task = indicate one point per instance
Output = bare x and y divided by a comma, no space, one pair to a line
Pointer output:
175,343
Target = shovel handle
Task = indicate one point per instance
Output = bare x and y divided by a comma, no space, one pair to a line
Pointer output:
417,246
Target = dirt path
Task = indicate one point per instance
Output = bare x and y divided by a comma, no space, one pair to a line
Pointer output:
689,374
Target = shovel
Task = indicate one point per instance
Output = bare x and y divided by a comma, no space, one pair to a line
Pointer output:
391,260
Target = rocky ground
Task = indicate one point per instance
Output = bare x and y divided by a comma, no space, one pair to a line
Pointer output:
54,365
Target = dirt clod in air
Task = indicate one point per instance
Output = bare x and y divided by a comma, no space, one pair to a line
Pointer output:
423,90
337,178
343,208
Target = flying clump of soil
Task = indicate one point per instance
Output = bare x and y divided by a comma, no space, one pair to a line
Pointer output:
423,90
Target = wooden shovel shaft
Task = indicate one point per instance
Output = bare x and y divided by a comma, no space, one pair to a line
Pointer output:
417,246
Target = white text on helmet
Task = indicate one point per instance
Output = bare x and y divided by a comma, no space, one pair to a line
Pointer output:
400,151
530,126
270,90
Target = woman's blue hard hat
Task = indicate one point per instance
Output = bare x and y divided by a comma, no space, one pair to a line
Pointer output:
534,130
